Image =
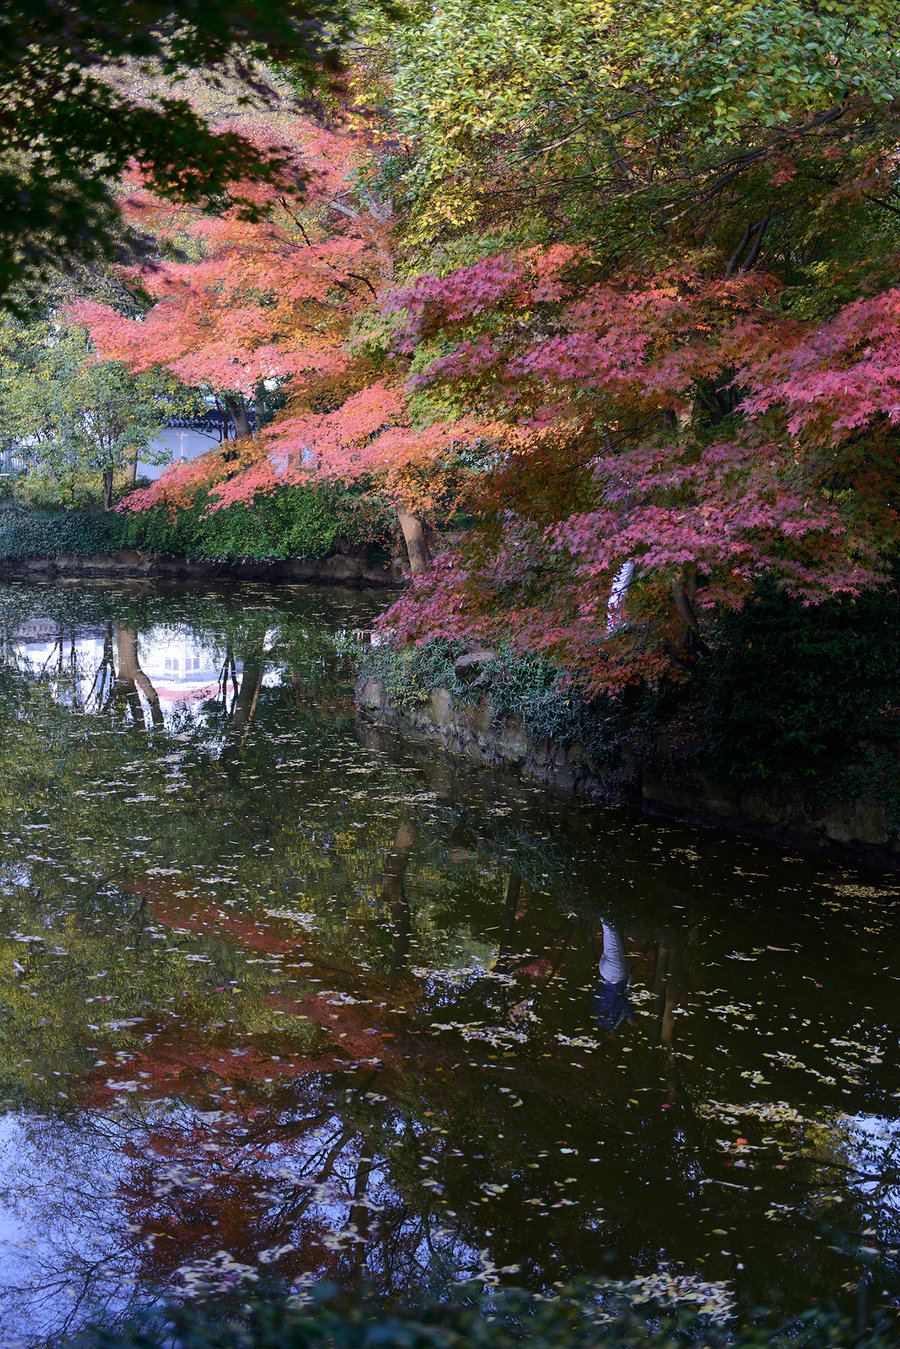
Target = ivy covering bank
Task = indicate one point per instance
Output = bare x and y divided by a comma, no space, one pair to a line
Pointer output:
293,522
784,695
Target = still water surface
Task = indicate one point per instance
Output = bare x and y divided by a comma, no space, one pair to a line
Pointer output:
281,999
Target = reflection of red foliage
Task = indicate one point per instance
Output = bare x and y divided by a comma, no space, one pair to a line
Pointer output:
201,1189
176,1060
171,905
535,969
202,1183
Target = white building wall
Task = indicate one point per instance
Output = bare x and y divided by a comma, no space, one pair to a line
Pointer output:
180,445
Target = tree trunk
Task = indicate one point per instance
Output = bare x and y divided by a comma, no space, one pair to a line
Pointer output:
684,589
108,488
414,538
237,411
131,470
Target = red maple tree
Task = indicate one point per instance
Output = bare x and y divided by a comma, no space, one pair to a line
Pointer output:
619,484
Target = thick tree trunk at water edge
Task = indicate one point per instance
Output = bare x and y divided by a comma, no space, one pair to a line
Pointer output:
414,538
108,488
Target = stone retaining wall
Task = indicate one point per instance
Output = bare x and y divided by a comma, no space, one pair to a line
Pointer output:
338,569
671,785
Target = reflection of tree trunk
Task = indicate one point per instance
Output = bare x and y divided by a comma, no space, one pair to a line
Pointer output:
667,985
416,543
510,913
244,708
393,892
360,1212
667,991
131,678
139,919
228,674
105,670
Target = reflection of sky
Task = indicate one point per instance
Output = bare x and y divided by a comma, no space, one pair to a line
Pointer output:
69,1193
61,1227
872,1145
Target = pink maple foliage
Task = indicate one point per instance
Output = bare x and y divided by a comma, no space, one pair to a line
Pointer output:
797,478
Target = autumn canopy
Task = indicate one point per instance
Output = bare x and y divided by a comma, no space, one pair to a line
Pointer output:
609,290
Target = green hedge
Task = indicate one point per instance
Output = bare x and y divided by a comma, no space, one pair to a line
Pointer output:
488,1320
25,534
290,522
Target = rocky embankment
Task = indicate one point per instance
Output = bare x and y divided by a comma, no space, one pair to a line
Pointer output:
338,569
668,781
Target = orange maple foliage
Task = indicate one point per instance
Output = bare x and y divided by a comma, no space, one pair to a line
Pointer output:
280,301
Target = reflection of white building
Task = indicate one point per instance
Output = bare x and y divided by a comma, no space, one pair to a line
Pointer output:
183,669
180,668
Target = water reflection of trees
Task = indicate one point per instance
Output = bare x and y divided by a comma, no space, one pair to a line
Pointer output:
456,937
391,1168
84,646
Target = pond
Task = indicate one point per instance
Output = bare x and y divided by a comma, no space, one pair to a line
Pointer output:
283,999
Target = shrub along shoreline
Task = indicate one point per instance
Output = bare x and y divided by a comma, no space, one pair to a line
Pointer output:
290,522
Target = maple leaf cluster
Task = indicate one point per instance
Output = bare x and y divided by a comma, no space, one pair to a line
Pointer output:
615,467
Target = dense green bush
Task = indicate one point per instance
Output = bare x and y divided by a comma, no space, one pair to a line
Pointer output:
788,691
494,1320
290,522
39,490
25,534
